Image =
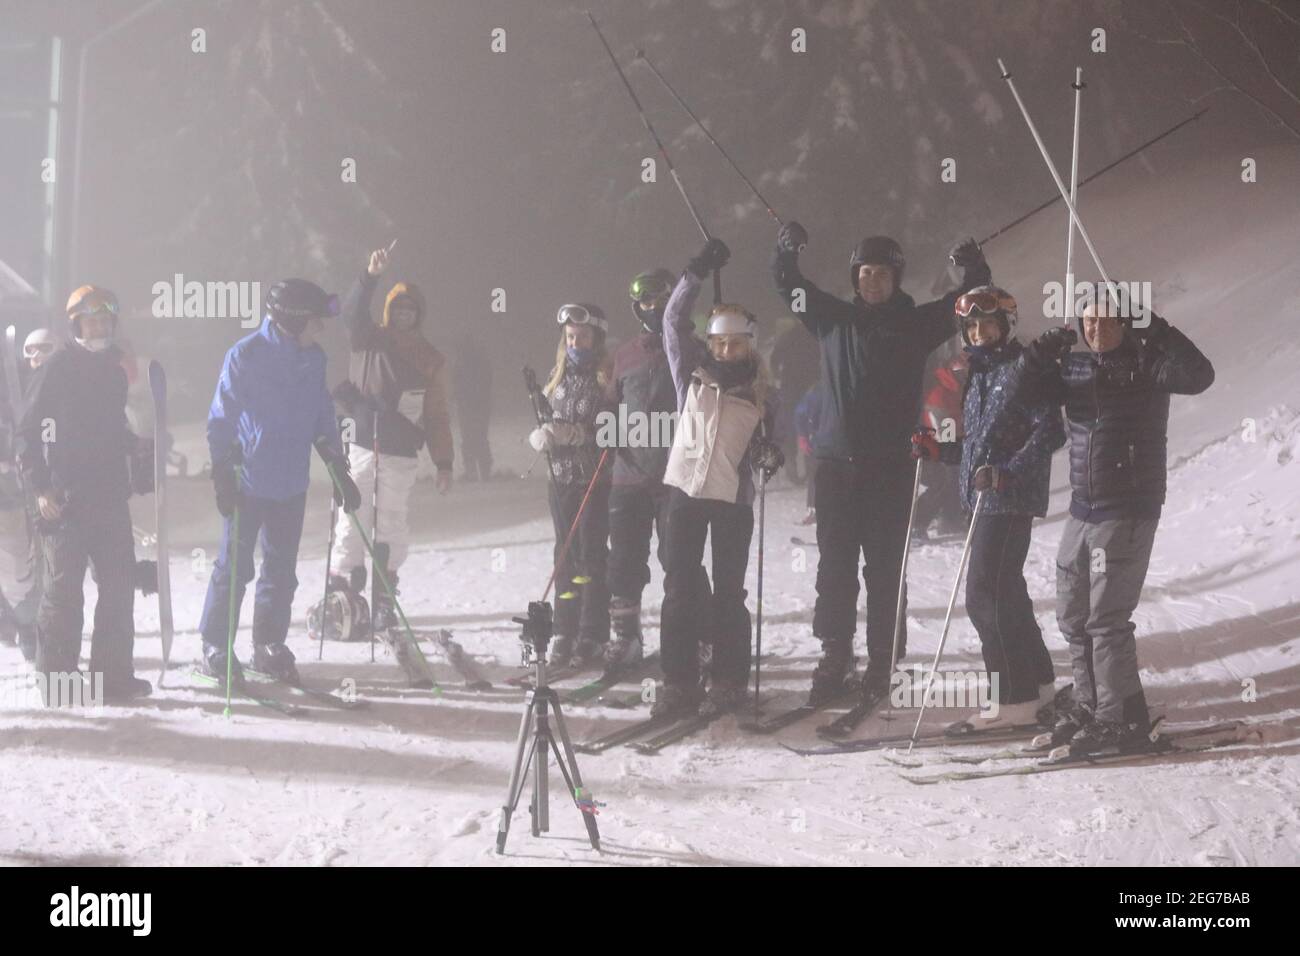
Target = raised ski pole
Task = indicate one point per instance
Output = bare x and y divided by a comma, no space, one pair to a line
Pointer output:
1060,186
947,620
1087,179
717,275
232,614
1078,86
383,578
902,582
640,55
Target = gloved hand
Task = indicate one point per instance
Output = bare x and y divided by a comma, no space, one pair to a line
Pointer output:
1053,345
768,457
989,478
924,445
554,434
226,484
792,237
1154,331
968,257
712,257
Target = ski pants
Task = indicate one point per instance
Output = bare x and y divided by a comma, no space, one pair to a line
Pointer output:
1100,569
277,526
94,535
634,511
396,480
862,508
690,613
584,612
997,600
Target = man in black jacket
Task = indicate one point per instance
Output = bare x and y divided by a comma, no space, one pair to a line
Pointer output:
873,354
1116,399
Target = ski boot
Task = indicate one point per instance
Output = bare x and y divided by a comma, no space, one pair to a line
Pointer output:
214,665
723,698
1007,715
590,652
1069,722
276,660
626,650
561,652
675,702
1110,736
834,672
126,689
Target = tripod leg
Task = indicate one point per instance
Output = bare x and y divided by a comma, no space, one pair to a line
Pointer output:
541,782
569,770
517,775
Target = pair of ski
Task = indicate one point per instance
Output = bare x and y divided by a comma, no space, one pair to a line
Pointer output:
271,702
662,731
1160,742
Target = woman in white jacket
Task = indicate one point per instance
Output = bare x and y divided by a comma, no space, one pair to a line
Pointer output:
723,432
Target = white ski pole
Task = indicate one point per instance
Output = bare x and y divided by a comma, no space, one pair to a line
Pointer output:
902,584
1074,201
947,620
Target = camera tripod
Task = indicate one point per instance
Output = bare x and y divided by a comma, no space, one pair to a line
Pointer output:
533,749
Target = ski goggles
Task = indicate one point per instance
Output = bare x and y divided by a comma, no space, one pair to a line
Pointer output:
648,288
985,302
92,305
579,315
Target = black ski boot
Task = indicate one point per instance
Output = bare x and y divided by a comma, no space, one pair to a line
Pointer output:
561,652
1070,720
724,697
214,665
276,660
127,689
834,671
625,651
675,702
1110,736
590,652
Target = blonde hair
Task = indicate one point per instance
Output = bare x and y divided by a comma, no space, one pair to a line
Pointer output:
604,365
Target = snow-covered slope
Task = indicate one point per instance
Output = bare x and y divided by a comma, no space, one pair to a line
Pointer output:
418,780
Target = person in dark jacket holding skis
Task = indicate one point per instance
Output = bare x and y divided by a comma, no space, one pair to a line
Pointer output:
723,434
638,500
579,390
873,355
1005,454
74,450
1116,398
270,408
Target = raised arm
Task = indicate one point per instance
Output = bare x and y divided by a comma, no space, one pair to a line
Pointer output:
1172,362
817,310
682,347
934,320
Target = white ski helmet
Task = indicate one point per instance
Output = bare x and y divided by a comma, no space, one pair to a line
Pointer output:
40,340
727,318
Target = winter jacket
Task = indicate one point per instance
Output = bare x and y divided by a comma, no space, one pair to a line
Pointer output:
710,456
944,400
272,404
1009,427
579,399
398,373
72,433
643,386
1117,410
872,360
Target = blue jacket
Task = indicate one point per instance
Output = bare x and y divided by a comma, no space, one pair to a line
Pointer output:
272,404
1010,424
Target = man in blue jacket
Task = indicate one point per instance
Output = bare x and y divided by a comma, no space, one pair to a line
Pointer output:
271,406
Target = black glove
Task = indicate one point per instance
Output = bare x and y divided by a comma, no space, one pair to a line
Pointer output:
1052,345
146,577
1154,331
226,484
768,457
346,493
792,237
968,257
712,257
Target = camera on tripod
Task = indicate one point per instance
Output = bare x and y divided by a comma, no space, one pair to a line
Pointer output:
535,631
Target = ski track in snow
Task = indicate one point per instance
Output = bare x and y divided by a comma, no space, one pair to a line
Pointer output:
418,780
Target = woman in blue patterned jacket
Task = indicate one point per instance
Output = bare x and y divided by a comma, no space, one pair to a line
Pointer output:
1010,434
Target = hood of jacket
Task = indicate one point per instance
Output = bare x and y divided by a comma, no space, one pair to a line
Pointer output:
412,292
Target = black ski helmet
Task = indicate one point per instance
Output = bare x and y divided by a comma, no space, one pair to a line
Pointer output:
292,302
877,251
653,284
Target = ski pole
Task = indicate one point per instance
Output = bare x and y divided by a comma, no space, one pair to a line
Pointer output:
383,578
902,578
329,557
374,529
1056,178
564,549
1101,172
758,617
1074,200
947,620
232,618
717,275
640,55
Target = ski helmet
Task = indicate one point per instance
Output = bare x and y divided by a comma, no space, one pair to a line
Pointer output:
346,617
86,300
292,302
40,342
730,319
877,251
580,313
987,300
648,286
